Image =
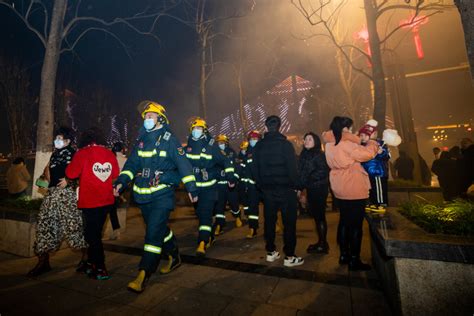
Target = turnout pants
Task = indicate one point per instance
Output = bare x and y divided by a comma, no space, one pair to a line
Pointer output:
251,208
226,195
285,200
159,238
378,191
207,199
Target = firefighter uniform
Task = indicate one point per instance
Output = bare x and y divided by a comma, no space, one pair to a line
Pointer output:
156,166
226,194
205,157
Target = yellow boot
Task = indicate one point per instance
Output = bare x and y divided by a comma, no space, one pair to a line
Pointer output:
238,222
138,285
218,230
173,263
201,249
252,233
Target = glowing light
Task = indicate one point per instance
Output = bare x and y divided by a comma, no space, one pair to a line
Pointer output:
414,23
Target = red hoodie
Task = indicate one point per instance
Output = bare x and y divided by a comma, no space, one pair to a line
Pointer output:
96,167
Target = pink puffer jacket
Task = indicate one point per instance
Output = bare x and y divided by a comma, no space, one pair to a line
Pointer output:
349,180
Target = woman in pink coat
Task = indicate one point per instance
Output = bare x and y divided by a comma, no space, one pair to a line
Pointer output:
350,184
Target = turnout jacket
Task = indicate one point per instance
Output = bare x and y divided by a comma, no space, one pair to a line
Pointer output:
244,169
275,162
157,165
230,153
378,167
207,160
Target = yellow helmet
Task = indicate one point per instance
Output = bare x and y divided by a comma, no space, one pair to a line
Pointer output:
198,122
222,138
244,145
149,106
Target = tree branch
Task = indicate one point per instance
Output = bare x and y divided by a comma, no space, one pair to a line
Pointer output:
25,20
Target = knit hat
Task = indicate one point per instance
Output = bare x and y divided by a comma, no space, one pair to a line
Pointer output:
369,128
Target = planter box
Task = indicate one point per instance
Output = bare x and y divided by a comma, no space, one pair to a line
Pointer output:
18,230
398,195
422,274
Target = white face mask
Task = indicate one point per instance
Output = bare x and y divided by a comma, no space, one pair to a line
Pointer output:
253,142
222,146
58,143
197,133
243,152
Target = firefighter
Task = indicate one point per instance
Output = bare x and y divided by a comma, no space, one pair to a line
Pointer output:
252,198
157,165
206,159
240,169
226,194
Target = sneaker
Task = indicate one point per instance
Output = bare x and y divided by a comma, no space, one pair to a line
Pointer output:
91,271
370,208
238,222
293,261
102,274
380,209
272,256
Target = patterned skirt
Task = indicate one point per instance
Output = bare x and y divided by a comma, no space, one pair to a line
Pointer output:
59,219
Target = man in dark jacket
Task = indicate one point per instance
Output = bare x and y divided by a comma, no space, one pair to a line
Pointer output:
276,175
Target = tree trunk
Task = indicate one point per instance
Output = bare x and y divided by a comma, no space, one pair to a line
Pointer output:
44,134
203,79
241,102
378,75
466,10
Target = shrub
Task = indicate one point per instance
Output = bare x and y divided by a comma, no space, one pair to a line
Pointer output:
454,218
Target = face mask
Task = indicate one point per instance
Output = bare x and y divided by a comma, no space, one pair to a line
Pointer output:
243,152
253,142
222,146
58,143
149,124
196,133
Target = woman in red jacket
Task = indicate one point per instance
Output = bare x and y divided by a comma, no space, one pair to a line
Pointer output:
96,167
350,184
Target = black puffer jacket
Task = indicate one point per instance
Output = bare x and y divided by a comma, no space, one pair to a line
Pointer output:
313,169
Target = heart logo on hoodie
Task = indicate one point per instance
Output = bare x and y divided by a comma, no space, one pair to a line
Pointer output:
102,171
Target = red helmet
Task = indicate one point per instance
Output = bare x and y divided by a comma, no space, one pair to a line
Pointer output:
254,134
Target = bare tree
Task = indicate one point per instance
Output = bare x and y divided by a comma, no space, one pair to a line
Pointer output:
325,13
16,100
466,10
62,29
206,18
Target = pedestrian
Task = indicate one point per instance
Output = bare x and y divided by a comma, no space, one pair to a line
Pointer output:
59,218
157,165
350,184
314,178
436,152
226,194
95,166
467,150
18,178
206,158
377,169
247,177
404,166
276,174
446,169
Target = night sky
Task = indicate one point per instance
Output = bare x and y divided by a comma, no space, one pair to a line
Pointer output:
168,71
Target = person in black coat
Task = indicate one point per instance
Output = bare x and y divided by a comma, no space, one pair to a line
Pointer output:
446,170
314,177
276,174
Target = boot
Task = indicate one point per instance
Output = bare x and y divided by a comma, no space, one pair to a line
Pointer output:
355,243
174,262
322,246
252,233
344,257
41,267
218,230
201,249
138,285
238,222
